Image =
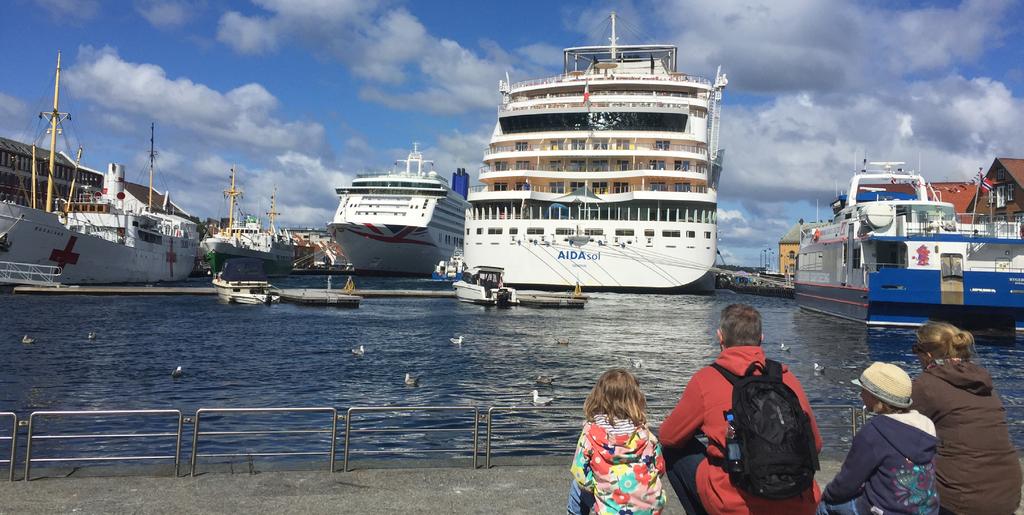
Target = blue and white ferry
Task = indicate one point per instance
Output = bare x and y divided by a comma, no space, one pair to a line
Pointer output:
889,257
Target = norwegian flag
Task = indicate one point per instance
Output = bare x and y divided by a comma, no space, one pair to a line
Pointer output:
985,183
586,93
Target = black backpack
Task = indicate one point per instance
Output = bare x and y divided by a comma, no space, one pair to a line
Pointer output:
774,432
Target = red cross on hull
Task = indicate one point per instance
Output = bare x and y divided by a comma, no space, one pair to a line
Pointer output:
171,258
65,257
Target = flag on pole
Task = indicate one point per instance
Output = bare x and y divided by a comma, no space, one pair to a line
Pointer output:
586,93
985,183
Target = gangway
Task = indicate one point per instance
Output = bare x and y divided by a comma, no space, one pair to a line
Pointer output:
28,274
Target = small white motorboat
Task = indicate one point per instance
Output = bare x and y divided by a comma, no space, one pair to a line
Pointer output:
485,285
243,281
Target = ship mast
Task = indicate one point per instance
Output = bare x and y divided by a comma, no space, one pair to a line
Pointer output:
614,40
74,177
231,194
35,169
272,214
152,157
55,118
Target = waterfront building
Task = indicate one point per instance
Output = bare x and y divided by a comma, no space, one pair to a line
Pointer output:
605,176
16,174
1004,202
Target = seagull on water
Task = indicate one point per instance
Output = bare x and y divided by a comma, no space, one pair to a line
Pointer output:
541,401
457,341
818,369
783,347
177,372
636,362
542,379
91,335
360,351
27,341
410,380
562,341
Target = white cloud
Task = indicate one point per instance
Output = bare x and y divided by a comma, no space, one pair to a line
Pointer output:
933,38
71,11
13,114
247,35
242,117
165,14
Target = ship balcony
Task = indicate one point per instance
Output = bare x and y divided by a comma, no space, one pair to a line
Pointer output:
594,150
599,105
698,173
702,214
671,81
663,192
607,95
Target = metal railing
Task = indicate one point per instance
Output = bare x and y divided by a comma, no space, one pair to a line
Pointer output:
28,273
197,433
13,439
130,414
475,411
597,79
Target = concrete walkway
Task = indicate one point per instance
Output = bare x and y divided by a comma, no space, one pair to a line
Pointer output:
529,487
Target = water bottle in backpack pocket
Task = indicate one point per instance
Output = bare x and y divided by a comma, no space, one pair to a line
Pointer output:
771,435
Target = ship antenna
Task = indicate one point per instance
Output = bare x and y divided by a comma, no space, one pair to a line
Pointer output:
272,214
614,40
231,194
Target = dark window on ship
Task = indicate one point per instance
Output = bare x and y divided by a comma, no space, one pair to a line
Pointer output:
150,237
534,230
513,230
522,146
707,234
578,144
670,234
494,230
500,166
563,231
599,187
479,230
576,185
623,165
556,187
593,232
672,122
649,232
522,165
661,145
500,186
691,234
623,232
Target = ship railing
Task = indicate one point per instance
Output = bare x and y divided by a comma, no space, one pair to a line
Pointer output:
596,105
597,212
613,190
52,431
28,273
967,224
601,93
304,432
567,147
582,78
698,170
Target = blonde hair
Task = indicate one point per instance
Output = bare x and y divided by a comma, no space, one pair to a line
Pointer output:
944,340
617,394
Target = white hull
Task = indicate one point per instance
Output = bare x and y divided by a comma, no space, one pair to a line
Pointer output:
380,249
476,294
667,264
37,237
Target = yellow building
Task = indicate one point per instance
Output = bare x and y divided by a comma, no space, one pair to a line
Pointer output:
789,246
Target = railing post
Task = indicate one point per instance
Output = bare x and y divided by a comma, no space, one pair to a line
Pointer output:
487,440
476,435
14,447
195,444
348,430
177,446
28,448
334,436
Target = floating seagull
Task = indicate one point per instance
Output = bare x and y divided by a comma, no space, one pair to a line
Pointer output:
177,373
92,335
410,380
818,369
562,342
541,401
359,352
457,341
636,362
542,379
27,341
784,347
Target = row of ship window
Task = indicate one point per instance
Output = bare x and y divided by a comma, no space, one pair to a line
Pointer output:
581,144
565,231
597,165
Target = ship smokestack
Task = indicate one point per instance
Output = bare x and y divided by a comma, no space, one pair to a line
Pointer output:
460,182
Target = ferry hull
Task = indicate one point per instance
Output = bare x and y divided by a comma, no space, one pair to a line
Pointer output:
37,237
390,250
277,263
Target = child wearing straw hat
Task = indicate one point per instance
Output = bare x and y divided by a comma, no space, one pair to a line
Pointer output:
891,465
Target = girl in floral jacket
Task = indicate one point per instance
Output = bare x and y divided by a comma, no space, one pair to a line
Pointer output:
618,465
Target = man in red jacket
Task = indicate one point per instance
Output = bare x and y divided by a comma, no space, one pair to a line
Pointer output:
700,486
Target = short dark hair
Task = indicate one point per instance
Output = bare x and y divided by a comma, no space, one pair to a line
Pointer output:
740,325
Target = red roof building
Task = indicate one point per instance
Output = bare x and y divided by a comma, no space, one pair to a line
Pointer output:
1006,200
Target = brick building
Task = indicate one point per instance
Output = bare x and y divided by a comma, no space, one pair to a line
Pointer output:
16,174
1005,203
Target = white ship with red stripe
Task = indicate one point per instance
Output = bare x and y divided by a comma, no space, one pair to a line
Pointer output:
399,223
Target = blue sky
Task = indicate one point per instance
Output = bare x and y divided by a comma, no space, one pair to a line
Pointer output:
302,94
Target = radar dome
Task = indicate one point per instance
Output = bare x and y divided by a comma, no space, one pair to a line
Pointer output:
877,216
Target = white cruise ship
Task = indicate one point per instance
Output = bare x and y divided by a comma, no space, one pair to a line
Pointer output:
605,176
401,222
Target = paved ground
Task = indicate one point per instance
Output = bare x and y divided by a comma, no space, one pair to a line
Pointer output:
529,487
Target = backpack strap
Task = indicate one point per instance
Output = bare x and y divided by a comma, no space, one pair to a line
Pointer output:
729,376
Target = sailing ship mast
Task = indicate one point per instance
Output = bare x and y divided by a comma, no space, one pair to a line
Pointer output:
272,214
152,156
55,118
231,194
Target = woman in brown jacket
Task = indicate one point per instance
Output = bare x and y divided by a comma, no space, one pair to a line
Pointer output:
977,465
